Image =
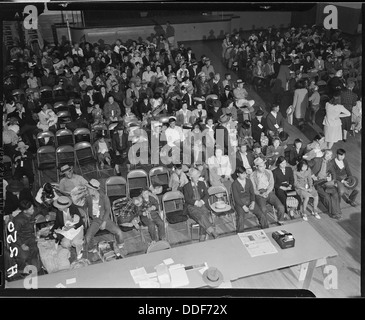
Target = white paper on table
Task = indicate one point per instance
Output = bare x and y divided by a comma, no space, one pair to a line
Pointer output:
60,285
152,275
151,283
139,274
168,261
257,243
178,276
70,281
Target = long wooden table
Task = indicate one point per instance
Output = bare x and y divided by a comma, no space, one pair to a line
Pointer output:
227,254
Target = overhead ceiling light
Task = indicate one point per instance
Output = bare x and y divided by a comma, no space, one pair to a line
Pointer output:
265,7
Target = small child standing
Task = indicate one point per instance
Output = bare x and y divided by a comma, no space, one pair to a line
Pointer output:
102,147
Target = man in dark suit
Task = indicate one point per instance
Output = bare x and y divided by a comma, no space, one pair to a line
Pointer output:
15,193
189,55
120,146
196,199
189,98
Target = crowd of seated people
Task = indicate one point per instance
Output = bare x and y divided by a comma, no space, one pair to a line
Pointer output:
137,92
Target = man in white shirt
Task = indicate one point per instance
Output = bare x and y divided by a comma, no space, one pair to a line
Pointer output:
174,137
220,169
71,180
263,185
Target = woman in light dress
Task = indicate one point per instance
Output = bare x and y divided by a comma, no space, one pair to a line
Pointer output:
332,122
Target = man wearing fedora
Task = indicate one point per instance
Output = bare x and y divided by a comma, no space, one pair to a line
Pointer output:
68,217
15,193
196,199
263,185
98,210
28,253
23,160
70,179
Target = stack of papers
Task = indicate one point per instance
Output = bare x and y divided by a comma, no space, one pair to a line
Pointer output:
257,243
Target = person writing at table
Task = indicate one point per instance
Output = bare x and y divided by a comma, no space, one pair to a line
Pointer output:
244,200
196,198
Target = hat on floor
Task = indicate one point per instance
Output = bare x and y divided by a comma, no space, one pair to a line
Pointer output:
62,202
94,184
15,186
213,277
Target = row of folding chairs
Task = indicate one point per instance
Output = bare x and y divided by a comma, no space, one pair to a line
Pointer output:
171,202
64,137
47,94
81,154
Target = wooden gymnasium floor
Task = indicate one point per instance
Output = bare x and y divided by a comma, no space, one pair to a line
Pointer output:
343,235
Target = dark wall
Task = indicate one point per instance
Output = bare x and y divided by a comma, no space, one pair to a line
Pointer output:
300,18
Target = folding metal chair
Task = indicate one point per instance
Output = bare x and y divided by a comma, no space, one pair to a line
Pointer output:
46,138
64,155
111,128
160,176
46,160
60,106
59,93
136,180
46,95
115,188
64,137
173,210
220,193
85,156
100,128
64,117
18,95
82,134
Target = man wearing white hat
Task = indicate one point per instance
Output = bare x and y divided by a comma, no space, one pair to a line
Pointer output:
98,208
263,184
196,198
70,180
68,224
